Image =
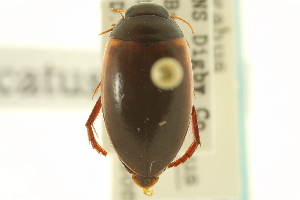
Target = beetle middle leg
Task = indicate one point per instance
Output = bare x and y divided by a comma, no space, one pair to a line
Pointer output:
95,91
189,152
90,127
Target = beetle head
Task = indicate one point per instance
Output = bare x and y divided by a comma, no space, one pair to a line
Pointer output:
145,183
147,8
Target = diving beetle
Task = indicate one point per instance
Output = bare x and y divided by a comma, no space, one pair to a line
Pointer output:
146,93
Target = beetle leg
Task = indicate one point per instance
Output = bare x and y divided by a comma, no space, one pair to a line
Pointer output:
90,127
109,30
95,91
193,146
187,43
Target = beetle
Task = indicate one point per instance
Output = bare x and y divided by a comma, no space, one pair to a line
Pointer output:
146,113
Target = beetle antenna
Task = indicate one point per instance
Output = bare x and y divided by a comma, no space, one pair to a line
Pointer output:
119,11
183,21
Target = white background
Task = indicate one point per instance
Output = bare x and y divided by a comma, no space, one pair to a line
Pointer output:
28,170
271,39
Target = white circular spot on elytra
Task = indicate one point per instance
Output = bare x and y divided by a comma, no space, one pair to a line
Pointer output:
166,73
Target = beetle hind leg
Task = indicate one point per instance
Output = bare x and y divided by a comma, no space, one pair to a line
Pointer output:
91,130
192,148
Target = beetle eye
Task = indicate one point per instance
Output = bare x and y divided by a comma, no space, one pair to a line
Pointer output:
166,73
165,12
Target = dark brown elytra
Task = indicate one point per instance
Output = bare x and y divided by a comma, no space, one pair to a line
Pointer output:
146,125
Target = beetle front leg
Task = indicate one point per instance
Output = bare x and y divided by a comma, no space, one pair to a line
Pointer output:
90,127
193,146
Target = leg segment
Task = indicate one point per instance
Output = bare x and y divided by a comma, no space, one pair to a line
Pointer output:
95,91
109,30
113,25
193,146
90,127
